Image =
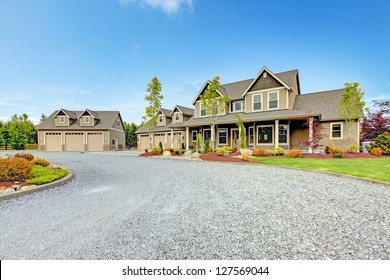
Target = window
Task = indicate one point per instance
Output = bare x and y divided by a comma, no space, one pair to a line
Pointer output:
283,134
273,100
206,134
86,119
202,110
177,116
238,106
256,98
62,119
113,141
251,135
118,122
222,136
336,131
265,134
194,134
160,118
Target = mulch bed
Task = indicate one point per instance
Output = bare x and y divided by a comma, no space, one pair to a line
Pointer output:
230,158
150,154
6,185
346,155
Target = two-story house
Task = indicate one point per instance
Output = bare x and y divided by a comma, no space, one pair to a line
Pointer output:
86,130
273,111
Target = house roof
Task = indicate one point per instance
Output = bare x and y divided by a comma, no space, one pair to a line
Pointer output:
166,112
92,113
186,111
105,121
70,114
236,89
323,104
156,128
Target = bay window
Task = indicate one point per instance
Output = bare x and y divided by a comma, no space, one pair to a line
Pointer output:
265,134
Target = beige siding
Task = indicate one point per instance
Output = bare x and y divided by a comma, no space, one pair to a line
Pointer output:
295,135
83,123
348,138
57,121
117,124
292,97
249,101
265,106
283,99
174,117
163,122
120,135
197,110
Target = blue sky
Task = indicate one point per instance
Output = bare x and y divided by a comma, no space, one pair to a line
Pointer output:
100,55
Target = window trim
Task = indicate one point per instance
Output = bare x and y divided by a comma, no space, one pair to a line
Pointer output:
87,118
200,110
253,131
227,137
160,117
341,131
61,119
277,99
242,105
261,102
177,116
273,135
288,133
192,135
203,134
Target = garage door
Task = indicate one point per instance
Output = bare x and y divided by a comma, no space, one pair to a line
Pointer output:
74,141
53,141
159,137
143,142
95,141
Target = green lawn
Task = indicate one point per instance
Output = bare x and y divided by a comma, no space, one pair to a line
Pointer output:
370,168
42,175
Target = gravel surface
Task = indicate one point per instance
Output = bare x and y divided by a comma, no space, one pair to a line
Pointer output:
125,207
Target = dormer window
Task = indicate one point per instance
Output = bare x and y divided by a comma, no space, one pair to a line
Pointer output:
160,118
238,106
62,119
177,116
87,119
118,122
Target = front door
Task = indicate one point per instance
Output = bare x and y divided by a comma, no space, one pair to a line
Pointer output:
234,134
206,134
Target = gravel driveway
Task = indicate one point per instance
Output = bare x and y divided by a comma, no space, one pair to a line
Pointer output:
125,207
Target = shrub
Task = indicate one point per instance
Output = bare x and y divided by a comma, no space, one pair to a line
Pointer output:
233,150
327,150
260,153
160,145
381,141
156,150
223,151
206,146
376,151
354,148
15,169
43,175
27,156
146,150
245,158
210,150
294,154
279,151
338,153
41,162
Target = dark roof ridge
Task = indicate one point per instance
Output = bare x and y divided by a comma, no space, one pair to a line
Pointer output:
322,91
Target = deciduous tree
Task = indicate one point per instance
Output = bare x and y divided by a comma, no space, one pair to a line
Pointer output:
351,105
377,120
154,99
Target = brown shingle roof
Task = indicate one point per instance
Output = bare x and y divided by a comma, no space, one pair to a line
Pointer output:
236,89
106,119
323,104
186,111
166,112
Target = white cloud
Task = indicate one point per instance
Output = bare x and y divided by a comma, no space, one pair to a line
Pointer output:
168,6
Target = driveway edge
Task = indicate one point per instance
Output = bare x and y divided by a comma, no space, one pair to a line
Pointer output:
43,187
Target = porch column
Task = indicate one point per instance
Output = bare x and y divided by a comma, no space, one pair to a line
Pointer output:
276,133
187,137
310,135
172,138
212,132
